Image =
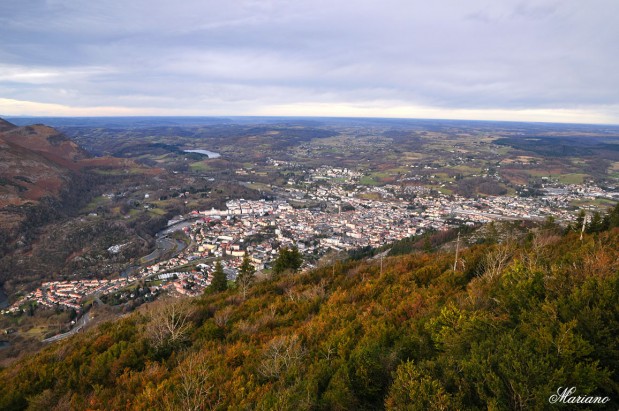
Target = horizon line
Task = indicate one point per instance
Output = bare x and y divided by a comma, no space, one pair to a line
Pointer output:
25,116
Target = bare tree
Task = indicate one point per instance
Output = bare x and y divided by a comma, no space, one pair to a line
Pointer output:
194,391
282,353
496,261
222,316
316,291
169,323
292,294
539,249
329,351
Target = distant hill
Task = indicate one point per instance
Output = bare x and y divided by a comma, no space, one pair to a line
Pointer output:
47,142
35,162
5,125
45,179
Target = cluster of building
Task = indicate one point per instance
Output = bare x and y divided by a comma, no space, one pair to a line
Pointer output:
557,200
69,294
183,283
311,230
337,216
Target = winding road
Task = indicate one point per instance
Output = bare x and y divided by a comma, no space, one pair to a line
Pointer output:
78,327
164,246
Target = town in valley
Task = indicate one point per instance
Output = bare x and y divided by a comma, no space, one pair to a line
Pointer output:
327,190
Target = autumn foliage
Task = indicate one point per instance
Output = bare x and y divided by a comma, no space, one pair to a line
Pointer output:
513,323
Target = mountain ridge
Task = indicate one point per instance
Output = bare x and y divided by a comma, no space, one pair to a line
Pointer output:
47,142
5,125
35,162
38,161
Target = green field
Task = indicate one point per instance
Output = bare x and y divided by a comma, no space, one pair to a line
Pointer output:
201,166
598,202
466,170
157,211
96,202
375,178
572,178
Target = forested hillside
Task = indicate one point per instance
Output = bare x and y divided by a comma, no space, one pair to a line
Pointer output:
513,323
48,185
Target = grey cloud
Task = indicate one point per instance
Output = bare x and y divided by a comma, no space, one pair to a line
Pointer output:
451,54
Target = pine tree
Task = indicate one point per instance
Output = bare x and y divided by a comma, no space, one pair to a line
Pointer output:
288,259
550,223
246,275
595,225
295,258
427,245
219,282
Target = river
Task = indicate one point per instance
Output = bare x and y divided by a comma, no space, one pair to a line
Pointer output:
166,244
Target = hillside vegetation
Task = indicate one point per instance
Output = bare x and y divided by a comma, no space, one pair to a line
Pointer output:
514,322
48,185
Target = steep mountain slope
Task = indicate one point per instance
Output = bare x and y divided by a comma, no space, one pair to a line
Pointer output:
35,162
47,142
511,325
46,180
5,125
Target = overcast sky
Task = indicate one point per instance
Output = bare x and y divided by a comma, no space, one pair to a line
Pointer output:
535,60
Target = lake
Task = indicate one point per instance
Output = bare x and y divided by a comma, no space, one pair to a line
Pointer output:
210,154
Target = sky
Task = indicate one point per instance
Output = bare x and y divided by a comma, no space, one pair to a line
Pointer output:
540,60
